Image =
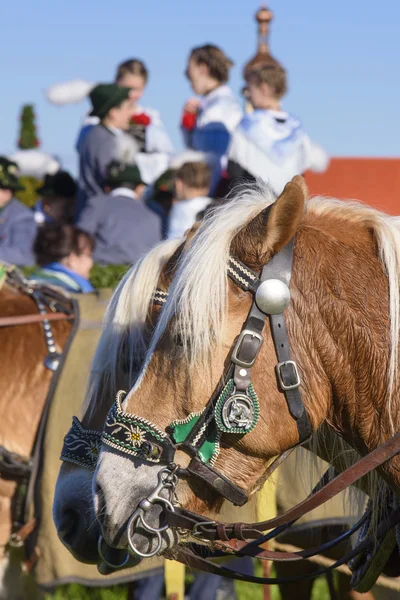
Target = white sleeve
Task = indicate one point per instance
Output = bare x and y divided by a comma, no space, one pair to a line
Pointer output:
316,157
157,138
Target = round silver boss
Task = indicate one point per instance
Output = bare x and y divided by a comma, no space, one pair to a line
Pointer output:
272,296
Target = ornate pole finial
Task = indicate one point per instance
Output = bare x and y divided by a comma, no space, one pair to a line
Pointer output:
264,17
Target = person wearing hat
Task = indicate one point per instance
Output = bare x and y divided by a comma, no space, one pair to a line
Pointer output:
123,226
106,141
17,223
57,202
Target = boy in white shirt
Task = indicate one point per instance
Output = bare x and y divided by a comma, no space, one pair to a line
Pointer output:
192,182
269,142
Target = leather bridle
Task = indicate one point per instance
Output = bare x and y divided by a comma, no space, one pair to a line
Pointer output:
233,408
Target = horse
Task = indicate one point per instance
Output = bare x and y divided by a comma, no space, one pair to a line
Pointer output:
343,329
31,349
123,335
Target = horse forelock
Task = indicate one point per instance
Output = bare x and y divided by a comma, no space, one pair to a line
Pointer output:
124,327
198,293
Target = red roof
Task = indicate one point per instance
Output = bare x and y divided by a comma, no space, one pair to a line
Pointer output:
375,181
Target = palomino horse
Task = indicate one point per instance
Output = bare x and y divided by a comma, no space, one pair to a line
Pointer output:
343,328
124,334
28,344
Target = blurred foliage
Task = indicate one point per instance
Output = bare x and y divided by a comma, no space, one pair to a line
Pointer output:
29,196
107,276
101,276
74,591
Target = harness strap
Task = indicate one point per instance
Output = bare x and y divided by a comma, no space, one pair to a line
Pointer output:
185,519
34,318
288,377
189,557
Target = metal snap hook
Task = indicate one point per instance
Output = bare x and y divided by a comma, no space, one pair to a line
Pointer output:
101,555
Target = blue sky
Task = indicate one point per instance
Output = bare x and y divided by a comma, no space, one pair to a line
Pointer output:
342,57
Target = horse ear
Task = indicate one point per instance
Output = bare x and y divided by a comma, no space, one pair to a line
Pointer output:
285,215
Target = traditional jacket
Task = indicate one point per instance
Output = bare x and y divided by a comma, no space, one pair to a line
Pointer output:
154,144
274,146
17,234
124,228
98,148
58,274
217,118
184,214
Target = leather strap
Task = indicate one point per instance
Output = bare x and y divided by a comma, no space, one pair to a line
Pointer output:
34,318
188,557
287,376
219,482
187,520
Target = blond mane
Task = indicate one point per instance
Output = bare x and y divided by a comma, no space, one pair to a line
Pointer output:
198,294
123,326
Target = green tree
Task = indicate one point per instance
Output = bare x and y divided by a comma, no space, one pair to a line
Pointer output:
27,138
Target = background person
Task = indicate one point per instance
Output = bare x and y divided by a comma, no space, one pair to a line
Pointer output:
146,126
208,122
17,223
192,182
58,199
106,141
269,142
123,226
65,256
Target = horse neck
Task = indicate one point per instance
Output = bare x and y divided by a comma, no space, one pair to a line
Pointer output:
342,302
22,371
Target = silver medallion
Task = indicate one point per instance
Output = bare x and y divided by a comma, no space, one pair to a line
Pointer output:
238,413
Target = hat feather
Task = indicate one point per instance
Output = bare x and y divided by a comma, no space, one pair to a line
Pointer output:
127,149
69,92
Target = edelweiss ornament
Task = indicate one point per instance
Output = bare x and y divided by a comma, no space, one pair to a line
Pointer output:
237,412
134,435
81,446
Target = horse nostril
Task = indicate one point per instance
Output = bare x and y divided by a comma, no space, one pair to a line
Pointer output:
70,523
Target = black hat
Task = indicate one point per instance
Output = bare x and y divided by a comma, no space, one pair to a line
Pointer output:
60,184
119,173
105,96
9,175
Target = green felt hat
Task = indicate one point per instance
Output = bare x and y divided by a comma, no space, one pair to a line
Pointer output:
105,96
119,173
9,175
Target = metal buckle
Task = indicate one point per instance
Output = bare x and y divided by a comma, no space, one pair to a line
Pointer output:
234,357
282,384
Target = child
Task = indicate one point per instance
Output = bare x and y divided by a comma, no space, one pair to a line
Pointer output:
270,143
192,182
65,255
146,125
105,141
208,123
